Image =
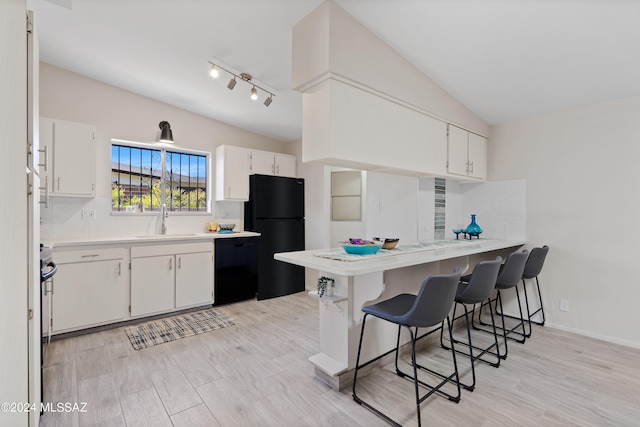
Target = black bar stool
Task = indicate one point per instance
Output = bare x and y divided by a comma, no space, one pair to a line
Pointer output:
508,277
532,269
478,289
429,308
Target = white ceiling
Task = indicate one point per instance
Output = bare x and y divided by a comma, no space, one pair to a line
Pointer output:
504,59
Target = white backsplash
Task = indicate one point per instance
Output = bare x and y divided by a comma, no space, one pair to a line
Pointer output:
63,220
500,208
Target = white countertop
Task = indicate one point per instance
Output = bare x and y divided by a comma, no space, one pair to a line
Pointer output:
382,263
148,238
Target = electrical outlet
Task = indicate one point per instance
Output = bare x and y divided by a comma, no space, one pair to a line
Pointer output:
564,304
88,214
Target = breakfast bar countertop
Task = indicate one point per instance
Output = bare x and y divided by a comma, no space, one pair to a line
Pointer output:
437,250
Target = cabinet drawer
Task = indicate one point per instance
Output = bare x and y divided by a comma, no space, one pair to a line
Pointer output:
88,255
170,249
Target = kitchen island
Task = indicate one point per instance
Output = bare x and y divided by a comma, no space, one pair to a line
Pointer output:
364,280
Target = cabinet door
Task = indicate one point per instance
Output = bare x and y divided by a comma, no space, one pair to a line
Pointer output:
88,293
194,279
74,159
458,156
285,165
477,156
152,284
232,173
262,162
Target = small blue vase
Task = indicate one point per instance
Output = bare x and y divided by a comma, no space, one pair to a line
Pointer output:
473,229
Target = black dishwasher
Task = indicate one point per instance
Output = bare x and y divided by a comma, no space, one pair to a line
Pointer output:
236,274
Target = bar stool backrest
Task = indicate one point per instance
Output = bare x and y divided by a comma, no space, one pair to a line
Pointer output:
535,262
481,283
512,269
434,300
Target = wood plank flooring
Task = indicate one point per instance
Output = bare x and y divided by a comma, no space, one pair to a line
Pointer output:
257,374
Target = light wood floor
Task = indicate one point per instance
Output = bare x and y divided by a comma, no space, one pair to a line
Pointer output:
257,374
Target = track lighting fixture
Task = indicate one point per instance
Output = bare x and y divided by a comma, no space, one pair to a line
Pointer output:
165,135
215,73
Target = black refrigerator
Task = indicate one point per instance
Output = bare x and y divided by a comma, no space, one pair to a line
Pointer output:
276,210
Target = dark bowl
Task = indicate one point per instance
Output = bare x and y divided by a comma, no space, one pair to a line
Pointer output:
387,243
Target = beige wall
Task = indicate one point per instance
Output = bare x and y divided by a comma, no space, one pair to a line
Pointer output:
581,167
125,115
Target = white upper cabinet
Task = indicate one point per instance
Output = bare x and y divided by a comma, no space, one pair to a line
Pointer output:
235,164
262,163
232,173
268,163
467,154
348,126
285,165
71,158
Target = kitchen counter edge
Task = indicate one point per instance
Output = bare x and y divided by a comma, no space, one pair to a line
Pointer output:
147,239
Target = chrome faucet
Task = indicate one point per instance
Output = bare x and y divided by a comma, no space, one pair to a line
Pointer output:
163,216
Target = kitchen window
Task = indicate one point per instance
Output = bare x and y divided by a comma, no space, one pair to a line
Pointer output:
143,178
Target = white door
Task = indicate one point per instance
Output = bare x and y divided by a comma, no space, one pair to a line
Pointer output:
285,165
262,162
88,293
152,284
477,156
194,279
14,252
74,159
458,151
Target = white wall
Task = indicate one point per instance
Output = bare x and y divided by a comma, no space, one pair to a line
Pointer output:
121,114
580,166
398,199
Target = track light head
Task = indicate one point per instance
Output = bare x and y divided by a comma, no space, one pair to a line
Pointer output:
254,93
232,83
268,101
214,71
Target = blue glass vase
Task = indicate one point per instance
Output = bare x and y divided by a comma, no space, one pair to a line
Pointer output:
473,229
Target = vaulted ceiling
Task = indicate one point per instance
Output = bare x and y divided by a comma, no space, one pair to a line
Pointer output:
503,59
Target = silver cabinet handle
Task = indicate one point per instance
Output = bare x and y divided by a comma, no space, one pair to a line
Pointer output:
119,268
89,256
58,183
45,165
471,166
179,263
170,263
46,191
278,170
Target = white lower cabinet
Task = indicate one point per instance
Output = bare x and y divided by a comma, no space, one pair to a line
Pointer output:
152,284
89,289
168,277
194,279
